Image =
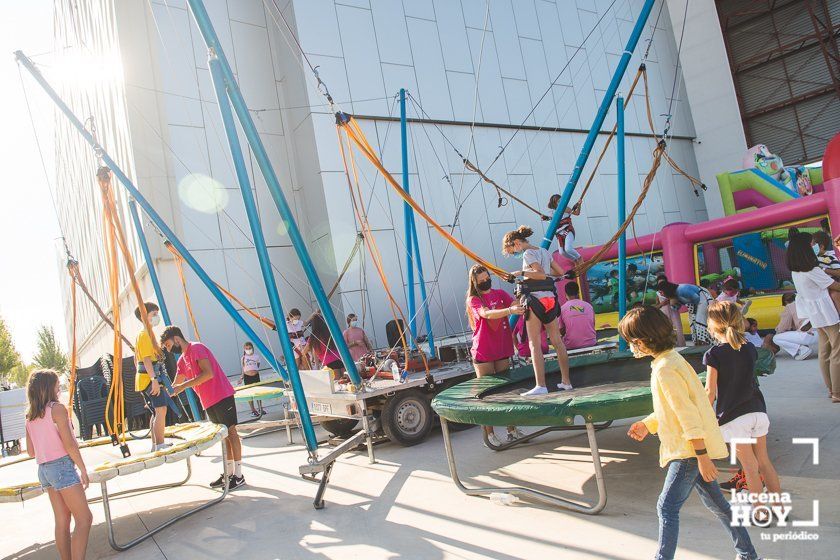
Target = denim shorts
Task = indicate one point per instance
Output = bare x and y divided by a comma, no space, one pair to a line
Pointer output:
59,473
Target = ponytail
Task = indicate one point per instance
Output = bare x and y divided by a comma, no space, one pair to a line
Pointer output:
734,338
726,323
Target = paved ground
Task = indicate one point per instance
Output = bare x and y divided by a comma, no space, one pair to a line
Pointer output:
406,507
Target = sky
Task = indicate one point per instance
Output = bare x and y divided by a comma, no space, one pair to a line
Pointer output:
30,294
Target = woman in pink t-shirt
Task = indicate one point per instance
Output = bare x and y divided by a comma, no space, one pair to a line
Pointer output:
492,344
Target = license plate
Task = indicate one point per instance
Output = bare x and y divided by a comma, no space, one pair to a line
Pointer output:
321,408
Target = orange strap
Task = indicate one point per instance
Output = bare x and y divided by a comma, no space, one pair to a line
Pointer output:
187,302
179,261
73,269
354,133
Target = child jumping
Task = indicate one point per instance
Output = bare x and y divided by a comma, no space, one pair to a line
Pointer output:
539,299
740,408
688,431
565,233
50,440
149,367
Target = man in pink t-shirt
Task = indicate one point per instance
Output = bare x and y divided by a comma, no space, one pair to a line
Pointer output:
199,369
577,320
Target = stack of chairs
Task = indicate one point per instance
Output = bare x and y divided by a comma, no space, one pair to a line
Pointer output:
91,398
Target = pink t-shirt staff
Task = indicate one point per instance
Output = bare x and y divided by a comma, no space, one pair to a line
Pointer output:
492,338
215,389
577,317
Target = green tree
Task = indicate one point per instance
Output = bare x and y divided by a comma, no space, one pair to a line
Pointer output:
50,355
9,356
19,374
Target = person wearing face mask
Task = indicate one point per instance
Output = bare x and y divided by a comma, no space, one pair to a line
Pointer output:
487,312
149,368
356,338
731,291
251,374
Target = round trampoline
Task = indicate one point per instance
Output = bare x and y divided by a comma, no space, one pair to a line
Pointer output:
608,386
20,478
265,391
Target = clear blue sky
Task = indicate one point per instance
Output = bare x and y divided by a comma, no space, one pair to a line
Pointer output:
29,284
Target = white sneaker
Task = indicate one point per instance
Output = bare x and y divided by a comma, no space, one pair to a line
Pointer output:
493,439
515,434
565,386
162,446
538,390
802,353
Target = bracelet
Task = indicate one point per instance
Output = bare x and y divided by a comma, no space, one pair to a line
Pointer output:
699,452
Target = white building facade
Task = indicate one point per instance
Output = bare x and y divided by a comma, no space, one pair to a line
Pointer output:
462,61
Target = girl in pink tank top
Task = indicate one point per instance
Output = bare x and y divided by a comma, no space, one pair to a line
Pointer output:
50,440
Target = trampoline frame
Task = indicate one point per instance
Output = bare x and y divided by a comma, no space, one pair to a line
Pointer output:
550,499
106,504
528,437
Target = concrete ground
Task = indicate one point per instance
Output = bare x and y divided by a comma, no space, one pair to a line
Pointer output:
405,506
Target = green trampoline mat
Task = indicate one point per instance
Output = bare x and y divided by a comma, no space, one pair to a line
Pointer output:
608,386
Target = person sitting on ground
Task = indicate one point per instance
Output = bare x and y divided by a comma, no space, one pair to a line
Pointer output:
487,311
250,363
577,319
793,334
739,404
541,306
520,339
356,338
751,332
146,379
565,232
199,369
689,436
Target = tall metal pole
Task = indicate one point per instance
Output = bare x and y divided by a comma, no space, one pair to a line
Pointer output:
164,311
622,212
599,120
408,214
205,26
425,303
152,214
262,252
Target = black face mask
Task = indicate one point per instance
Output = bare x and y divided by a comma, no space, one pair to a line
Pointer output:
176,349
484,285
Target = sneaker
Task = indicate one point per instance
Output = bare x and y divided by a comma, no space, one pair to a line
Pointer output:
565,386
493,440
538,390
263,412
802,353
162,446
219,482
255,414
515,434
735,482
235,482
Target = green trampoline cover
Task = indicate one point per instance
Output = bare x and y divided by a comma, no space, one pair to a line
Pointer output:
608,386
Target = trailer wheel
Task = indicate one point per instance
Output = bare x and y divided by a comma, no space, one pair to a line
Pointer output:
407,418
340,427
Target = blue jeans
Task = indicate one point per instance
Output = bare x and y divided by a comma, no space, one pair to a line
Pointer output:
683,475
58,474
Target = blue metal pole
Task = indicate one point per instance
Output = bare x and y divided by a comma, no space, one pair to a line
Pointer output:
408,215
426,314
622,213
152,214
599,120
202,19
164,311
262,252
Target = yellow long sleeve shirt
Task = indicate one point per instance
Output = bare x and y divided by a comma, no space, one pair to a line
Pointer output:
681,410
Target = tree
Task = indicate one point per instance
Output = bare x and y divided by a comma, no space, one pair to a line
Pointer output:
50,354
19,374
9,356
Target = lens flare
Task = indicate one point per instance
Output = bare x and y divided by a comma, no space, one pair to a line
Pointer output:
203,194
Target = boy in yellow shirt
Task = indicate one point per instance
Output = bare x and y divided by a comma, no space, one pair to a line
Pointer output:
146,379
688,431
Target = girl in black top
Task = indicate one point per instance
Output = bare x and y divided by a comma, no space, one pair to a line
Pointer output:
740,408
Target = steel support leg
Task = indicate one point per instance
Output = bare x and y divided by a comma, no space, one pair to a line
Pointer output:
528,437
550,499
106,504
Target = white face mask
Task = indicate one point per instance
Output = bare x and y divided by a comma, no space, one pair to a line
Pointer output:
353,323
637,353
154,319
249,352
